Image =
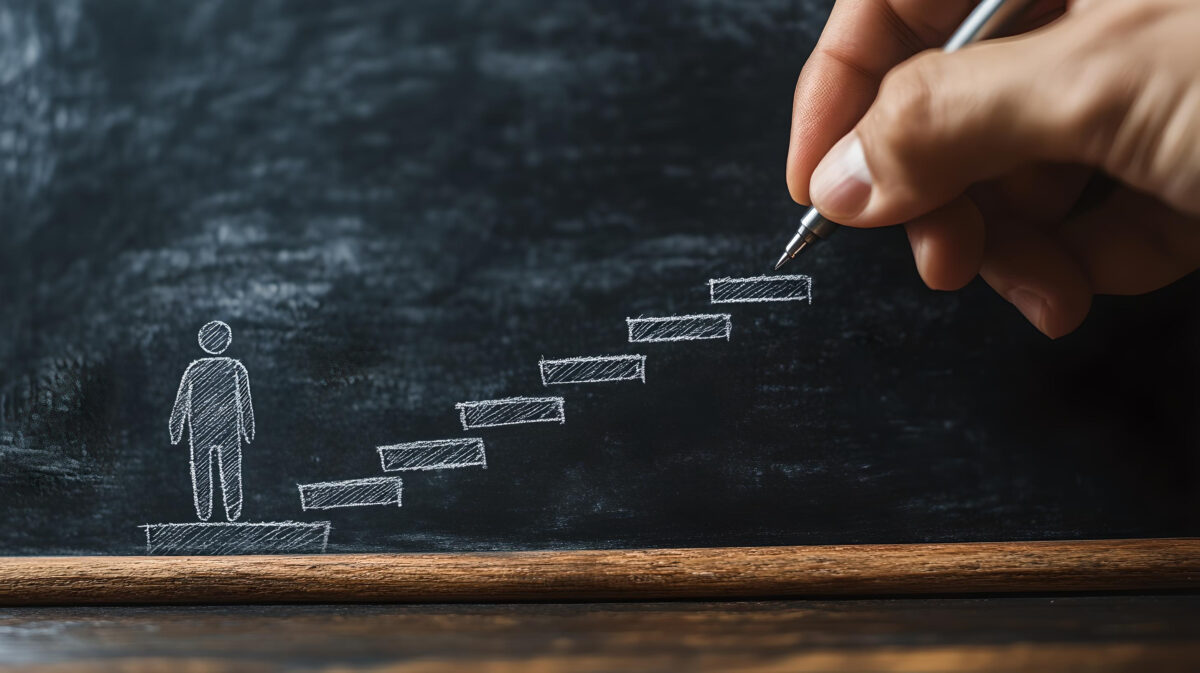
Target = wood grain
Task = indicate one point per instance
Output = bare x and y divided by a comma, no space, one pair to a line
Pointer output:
1088,565
998,633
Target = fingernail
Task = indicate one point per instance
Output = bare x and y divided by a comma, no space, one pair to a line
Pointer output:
1031,305
841,184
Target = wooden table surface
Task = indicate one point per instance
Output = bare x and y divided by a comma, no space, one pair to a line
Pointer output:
1101,632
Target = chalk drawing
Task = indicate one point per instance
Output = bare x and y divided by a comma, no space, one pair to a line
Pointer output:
282,537
351,493
214,401
593,369
438,454
511,411
760,289
680,328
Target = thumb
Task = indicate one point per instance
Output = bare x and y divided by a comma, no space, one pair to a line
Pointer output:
943,121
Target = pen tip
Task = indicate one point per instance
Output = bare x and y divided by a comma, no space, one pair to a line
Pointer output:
782,260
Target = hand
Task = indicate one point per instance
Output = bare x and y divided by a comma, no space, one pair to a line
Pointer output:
985,153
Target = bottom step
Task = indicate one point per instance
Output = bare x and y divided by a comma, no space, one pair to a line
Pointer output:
351,493
270,537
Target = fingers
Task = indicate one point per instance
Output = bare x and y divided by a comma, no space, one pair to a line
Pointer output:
1031,269
1063,93
1039,193
947,244
1038,276
1134,244
940,123
862,41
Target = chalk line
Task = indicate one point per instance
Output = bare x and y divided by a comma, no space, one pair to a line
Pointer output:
511,411
438,454
289,537
351,493
760,289
680,328
597,369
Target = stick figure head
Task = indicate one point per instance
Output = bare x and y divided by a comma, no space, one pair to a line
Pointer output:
214,337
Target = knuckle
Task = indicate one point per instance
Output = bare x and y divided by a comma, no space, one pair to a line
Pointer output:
1099,85
1095,114
906,106
1089,89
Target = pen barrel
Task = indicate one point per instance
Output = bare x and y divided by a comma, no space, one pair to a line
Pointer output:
988,18
816,223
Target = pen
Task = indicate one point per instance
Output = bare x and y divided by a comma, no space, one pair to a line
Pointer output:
987,17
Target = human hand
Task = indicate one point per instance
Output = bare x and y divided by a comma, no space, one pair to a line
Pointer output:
984,153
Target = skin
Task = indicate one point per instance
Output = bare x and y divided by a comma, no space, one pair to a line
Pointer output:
1058,162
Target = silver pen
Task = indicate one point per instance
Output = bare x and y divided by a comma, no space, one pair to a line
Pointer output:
987,17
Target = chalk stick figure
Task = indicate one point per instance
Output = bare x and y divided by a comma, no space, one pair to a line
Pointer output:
214,399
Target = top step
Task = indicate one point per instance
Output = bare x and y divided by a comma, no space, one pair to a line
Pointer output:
760,289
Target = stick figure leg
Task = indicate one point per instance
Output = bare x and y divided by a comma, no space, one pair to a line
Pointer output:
202,480
230,463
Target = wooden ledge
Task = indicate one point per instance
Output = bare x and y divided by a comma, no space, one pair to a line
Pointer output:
641,574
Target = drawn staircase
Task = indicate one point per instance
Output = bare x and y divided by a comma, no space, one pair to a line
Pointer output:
470,452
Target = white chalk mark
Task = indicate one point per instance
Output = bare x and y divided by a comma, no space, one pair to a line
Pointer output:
511,411
438,454
760,289
214,400
351,493
598,369
680,328
277,537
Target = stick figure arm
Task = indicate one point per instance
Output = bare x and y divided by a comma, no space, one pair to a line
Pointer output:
245,406
183,406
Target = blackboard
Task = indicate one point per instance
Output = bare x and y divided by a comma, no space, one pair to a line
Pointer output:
401,206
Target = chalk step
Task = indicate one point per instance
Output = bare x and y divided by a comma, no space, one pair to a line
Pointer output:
275,537
680,328
597,369
511,411
439,454
351,493
760,289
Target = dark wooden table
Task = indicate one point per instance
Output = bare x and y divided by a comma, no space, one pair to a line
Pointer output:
1103,632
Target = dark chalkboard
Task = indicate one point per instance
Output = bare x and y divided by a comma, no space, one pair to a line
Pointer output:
401,206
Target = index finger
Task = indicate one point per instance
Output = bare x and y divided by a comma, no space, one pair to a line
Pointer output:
862,41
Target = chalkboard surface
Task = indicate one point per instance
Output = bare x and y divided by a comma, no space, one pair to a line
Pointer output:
397,207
